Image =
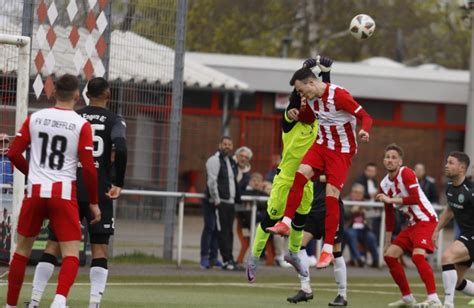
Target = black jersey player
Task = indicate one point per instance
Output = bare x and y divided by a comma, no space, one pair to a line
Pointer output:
314,229
458,257
109,141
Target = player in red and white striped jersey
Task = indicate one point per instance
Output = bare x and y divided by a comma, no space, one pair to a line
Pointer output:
331,154
58,138
400,189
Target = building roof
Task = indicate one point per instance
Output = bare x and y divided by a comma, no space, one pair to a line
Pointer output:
132,58
374,78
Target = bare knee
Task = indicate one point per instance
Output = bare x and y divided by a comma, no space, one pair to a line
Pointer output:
69,248
306,170
332,191
447,257
99,251
52,248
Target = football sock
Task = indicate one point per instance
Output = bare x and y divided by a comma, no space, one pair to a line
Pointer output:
304,281
466,287
340,274
261,238
295,195
98,278
426,272
67,275
327,248
331,220
450,278
398,274
409,298
60,300
16,275
295,239
43,272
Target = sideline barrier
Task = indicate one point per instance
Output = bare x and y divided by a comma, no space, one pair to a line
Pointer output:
254,199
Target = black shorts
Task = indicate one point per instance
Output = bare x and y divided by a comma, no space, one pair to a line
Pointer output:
100,232
315,222
468,240
106,224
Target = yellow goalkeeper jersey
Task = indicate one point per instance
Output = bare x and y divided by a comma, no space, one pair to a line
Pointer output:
297,138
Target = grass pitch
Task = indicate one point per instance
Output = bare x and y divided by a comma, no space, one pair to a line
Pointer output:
229,291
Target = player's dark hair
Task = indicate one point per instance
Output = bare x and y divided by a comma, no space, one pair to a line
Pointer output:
303,74
462,157
65,87
96,87
394,147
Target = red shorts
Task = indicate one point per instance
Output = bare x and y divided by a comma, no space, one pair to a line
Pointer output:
418,235
333,164
63,216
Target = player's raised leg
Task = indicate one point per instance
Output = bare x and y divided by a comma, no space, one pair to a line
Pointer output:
302,176
275,208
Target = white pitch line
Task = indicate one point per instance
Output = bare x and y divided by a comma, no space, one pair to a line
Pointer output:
235,284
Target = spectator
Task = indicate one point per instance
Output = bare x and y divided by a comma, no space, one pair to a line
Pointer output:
244,212
368,180
219,207
358,231
6,169
427,183
276,159
242,156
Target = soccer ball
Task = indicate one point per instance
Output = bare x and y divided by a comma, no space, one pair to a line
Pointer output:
362,26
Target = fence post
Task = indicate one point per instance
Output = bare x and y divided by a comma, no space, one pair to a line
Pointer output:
180,229
439,251
253,222
382,237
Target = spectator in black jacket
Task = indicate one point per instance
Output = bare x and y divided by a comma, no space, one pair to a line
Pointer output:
369,181
219,207
427,183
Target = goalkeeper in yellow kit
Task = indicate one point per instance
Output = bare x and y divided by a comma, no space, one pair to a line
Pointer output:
299,131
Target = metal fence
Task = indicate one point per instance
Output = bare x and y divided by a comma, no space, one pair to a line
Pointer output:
187,232
138,45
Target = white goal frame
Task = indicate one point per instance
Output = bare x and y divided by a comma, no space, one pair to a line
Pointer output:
23,81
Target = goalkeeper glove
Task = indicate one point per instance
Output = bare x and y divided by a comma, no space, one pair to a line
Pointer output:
324,63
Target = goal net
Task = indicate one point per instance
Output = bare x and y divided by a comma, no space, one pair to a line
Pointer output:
14,83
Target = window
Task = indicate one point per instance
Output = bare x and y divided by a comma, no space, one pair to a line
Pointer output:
197,99
453,141
419,113
247,101
379,110
456,114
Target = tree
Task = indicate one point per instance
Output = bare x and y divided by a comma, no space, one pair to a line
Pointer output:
320,26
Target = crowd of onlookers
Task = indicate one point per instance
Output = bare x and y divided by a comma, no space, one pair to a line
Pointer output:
362,224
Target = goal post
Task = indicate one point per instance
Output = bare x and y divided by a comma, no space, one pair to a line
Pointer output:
22,87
